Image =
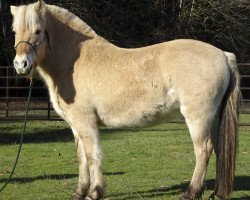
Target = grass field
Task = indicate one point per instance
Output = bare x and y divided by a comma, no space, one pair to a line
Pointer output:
153,163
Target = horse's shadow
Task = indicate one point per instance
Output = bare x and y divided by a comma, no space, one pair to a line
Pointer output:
241,184
58,135
37,136
23,180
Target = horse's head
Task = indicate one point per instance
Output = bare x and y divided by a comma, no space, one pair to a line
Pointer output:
29,26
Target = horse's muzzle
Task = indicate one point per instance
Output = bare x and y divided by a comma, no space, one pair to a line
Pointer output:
22,65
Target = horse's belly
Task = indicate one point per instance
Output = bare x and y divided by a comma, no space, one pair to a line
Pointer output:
143,112
146,117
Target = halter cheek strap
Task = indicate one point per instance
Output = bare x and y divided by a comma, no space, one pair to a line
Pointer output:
26,42
37,44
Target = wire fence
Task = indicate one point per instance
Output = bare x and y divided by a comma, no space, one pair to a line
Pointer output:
14,91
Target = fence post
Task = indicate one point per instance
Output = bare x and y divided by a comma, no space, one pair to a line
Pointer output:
7,93
48,108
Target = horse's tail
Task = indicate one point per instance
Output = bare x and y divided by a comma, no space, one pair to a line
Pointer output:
228,132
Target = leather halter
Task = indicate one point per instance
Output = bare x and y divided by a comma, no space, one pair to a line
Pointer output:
37,44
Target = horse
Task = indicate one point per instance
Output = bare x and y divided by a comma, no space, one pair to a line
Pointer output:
91,82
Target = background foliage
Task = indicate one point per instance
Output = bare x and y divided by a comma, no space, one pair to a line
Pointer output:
135,23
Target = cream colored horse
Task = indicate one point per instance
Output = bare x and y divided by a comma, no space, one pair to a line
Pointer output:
92,81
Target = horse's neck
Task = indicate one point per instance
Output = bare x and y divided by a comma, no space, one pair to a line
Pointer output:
66,44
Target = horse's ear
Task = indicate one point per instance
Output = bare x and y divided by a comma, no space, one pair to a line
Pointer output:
13,10
40,7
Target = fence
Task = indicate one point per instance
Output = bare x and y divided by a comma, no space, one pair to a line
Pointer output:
13,97
14,91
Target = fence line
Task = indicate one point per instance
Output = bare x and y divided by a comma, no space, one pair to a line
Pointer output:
245,88
13,95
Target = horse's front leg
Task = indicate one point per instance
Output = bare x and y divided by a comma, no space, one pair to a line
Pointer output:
90,163
84,177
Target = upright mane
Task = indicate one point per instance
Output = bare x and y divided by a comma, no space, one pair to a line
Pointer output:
28,17
71,20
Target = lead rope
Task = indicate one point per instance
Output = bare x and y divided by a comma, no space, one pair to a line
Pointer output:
21,140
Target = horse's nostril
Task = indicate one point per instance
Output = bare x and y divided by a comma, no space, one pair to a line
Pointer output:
25,64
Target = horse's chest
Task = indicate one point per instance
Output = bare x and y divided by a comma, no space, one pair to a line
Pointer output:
55,99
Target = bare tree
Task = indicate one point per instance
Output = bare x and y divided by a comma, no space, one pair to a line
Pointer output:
225,24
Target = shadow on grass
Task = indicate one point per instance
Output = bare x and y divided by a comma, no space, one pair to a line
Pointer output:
61,135
241,184
52,177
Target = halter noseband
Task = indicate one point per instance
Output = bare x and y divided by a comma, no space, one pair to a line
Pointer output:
35,45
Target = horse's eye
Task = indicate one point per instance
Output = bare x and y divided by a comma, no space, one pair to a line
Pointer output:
14,32
38,32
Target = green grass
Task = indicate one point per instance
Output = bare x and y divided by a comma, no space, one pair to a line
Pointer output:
153,163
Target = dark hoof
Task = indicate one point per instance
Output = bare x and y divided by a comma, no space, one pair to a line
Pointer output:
186,196
80,194
212,196
77,196
96,193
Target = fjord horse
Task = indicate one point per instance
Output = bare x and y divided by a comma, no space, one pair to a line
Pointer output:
92,81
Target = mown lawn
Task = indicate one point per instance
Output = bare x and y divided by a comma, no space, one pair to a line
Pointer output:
153,163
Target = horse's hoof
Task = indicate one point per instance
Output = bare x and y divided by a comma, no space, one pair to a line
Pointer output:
186,196
80,193
213,196
96,193
77,196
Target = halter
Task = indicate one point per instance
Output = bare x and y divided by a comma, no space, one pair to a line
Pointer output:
37,44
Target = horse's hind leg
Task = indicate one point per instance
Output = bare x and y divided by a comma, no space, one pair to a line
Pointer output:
200,128
202,153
